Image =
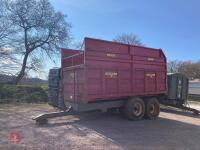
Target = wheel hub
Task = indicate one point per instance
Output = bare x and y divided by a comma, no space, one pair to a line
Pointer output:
152,108
137,109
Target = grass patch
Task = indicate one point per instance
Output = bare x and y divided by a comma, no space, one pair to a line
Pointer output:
194,97
23,93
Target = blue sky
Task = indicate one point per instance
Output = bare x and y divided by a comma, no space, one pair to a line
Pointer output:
171,25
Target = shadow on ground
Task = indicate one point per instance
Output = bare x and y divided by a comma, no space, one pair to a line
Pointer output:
162,133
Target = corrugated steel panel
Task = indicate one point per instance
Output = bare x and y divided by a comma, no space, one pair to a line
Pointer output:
177,86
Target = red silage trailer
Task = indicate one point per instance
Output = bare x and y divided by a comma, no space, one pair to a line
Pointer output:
107,71
109,75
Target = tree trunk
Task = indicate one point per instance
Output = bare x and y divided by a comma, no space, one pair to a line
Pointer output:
22,71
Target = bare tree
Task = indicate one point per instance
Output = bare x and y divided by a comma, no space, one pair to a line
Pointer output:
77,45
128,39
189,68
173,66
39,31
3,25
9,62
6,54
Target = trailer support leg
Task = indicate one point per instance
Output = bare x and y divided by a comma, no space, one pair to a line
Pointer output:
43,118
41,121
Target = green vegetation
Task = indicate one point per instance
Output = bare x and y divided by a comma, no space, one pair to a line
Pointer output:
194,97
23,93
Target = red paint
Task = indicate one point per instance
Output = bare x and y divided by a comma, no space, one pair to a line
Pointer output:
14,137
109,70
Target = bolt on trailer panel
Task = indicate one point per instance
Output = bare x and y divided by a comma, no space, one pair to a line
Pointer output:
110,70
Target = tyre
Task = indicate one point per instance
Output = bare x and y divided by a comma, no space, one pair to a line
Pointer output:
61,104
134,108
53,83
152,108
55,96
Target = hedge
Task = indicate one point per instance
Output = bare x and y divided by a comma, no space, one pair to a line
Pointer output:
23,93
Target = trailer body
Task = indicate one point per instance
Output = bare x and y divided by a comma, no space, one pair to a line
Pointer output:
106,71
113,76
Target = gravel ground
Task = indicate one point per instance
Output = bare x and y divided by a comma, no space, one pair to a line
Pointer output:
98,131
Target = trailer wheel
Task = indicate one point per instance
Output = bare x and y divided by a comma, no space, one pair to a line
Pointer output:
152,108
55,89
134,108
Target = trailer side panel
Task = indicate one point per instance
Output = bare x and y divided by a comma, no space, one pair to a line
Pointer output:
109,71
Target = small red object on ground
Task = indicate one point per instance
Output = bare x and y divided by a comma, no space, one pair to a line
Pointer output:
14,137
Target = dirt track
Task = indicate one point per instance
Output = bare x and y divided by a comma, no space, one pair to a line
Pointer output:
97,131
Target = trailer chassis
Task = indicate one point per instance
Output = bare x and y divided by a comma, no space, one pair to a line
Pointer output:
74,108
